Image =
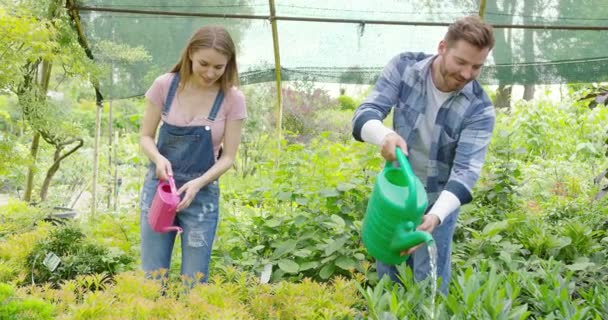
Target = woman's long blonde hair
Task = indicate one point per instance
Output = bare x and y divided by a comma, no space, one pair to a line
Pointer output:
209,37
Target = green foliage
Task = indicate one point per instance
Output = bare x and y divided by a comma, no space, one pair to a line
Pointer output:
78,256
531,245
13,153
498,189
13,262
25,39
15,308
17,217
305,220
300,104
347,103
229,295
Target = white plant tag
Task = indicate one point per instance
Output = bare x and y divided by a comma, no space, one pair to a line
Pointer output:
265,276
51,261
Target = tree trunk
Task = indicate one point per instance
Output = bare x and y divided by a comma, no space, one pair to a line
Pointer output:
503,97
29,186
44,75
529,92
57,158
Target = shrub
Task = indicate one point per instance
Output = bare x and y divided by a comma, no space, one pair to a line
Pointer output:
15,308
76,256
347,103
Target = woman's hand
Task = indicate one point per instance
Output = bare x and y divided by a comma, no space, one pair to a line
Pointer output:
189,189
163,168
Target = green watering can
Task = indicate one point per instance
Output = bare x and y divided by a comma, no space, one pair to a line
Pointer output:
394,210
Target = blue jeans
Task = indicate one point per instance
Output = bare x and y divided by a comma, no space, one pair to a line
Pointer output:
419,260
199,222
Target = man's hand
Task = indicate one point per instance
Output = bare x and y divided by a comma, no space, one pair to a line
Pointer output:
389,143
429,223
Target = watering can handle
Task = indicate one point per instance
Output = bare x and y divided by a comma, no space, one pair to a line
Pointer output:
172,185
411,200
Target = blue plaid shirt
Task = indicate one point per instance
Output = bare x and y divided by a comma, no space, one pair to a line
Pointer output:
463,127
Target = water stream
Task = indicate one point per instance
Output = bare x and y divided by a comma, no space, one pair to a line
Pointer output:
432,250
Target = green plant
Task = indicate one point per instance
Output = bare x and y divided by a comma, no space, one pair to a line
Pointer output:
18,217
67,253
305,221
13,307
347,103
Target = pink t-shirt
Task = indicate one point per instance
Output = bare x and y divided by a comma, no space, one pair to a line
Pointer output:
232,108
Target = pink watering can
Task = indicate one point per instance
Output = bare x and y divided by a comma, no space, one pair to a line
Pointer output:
163,208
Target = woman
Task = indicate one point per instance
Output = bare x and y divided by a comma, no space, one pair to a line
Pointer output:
200,109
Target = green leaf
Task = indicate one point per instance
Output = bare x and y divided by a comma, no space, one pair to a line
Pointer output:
345,263
301,201
284,247
308,265
337,220
328,193
345,186
289,266
273,223
334,246
493,228
327,271
580,266
284,196
359,256
302,253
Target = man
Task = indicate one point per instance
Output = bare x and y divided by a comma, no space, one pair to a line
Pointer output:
443,121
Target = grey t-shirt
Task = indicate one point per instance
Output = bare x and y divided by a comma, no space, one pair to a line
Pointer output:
424,130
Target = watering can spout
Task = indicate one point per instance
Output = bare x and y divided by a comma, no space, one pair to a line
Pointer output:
410,238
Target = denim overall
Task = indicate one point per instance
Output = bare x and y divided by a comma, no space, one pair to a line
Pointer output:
190,152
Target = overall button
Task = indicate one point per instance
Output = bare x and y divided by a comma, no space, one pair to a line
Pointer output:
207,128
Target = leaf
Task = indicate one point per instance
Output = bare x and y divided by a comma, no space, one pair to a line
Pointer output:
308,265
273,223
327,271
345,263
359,256
284,196
345,186
289,266
337,220
302,253
283,248
493,228
580,266
328,193
300,219
334,246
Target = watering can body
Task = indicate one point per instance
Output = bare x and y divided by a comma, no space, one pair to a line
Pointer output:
395,208
163,209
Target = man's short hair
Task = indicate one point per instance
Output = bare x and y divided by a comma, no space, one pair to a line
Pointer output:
472,30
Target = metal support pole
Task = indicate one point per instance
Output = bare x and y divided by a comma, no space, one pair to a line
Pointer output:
482,8
99,107
277,67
